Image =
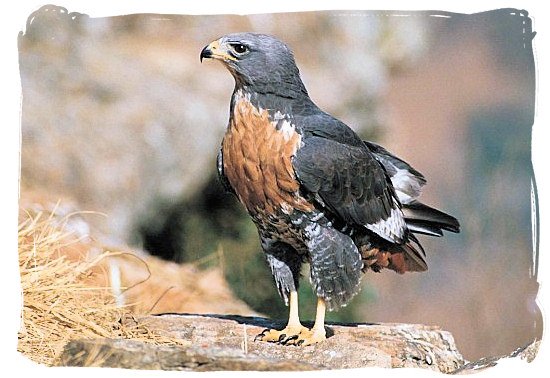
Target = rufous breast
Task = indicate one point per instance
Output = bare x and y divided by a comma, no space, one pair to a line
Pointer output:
257,161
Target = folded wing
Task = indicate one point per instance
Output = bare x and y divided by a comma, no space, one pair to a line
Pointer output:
349,182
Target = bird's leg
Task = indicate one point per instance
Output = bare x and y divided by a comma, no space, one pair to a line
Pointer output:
292,329
317,333
319,326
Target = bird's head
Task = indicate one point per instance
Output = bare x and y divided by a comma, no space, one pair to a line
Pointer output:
259,62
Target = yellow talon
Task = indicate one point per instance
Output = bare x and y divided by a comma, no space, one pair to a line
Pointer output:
307,337
275,336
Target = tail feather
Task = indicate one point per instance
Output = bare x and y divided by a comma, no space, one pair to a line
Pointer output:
424,228
423,219
414,255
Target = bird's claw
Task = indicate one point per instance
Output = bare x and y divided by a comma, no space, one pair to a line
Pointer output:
292,340
299,336
261,334
308,337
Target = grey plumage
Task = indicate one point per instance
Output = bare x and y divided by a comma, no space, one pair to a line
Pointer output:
285,263
335,267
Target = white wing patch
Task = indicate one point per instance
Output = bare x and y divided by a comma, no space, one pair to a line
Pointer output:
393,228
407,186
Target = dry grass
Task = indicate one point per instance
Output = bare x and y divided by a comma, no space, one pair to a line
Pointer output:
63,298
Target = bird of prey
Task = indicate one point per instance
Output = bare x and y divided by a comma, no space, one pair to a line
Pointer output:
317,193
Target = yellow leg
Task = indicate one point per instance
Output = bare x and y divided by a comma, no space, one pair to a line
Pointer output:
293,316
319,326
292,329
317,333
295,333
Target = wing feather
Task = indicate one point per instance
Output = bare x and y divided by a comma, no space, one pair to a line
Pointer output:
352,184
406,180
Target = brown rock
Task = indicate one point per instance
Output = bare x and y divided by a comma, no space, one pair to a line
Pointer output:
218,342
130,354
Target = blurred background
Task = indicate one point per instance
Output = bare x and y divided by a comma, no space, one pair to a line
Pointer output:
120,117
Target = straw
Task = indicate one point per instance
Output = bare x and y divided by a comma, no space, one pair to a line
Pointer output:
67,299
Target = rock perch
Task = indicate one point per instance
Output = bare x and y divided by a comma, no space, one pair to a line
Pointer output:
226,342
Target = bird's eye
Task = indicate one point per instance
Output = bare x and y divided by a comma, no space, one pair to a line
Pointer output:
239,48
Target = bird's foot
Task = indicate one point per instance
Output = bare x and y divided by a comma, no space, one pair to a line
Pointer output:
293,335
275,336
307,337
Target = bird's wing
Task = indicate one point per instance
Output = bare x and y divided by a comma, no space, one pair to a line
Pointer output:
350,183
406,180
408,183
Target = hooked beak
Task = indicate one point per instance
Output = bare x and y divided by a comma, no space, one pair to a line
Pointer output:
216,50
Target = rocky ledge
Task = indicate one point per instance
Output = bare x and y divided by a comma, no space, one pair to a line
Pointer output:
225,342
